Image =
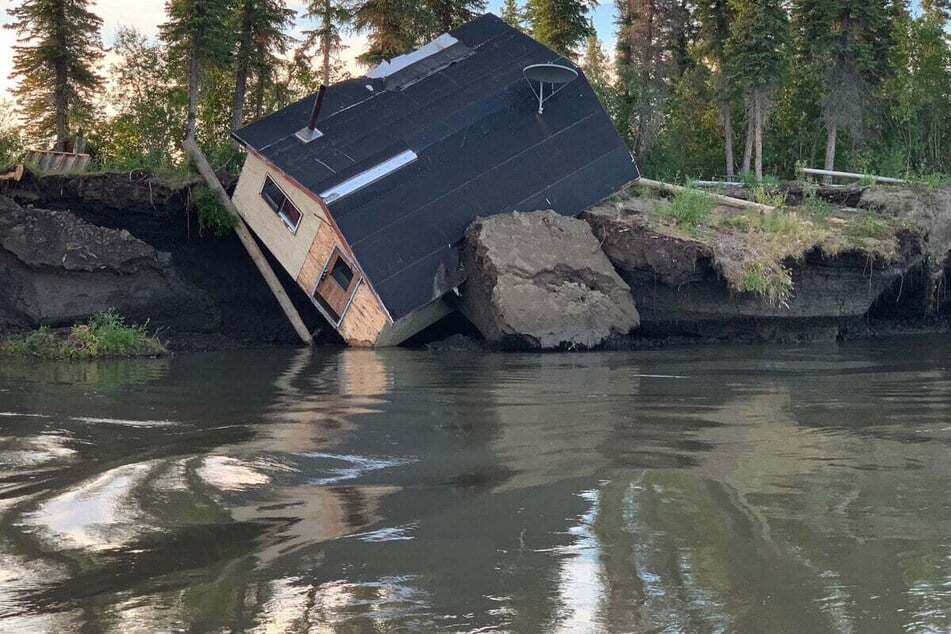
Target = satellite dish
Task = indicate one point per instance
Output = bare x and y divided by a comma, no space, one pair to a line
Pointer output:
555,76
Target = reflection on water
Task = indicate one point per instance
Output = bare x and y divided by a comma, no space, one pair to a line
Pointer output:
741,489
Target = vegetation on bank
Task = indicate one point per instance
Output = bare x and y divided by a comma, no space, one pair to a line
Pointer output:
752,249
106,335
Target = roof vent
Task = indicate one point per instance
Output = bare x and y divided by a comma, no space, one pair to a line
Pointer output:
311,132
555,76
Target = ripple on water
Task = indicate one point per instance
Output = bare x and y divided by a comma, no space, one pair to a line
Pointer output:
96,515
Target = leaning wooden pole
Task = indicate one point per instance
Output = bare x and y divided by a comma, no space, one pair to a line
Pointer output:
193,151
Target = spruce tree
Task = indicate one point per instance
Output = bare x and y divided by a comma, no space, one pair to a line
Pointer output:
393,27
560,24
714,18
596,68
58,47
200,36
847,43
448,14
263,38
756,56
333,17
512,14
649,31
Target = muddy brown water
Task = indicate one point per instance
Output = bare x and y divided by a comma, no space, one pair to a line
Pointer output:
734,489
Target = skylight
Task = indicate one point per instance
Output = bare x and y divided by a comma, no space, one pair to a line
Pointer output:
389,67
368,177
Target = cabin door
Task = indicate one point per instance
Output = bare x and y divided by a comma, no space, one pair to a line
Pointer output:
336,286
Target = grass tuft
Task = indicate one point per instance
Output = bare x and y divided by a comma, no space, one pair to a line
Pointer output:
690,208
105,336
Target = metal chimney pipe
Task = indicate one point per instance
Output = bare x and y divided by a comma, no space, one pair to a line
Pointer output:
318,104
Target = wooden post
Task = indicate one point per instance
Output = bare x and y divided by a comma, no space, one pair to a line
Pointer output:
192,150
723,200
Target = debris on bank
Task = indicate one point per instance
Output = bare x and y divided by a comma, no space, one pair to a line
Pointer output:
541,281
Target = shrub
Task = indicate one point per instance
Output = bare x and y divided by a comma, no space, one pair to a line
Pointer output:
211,214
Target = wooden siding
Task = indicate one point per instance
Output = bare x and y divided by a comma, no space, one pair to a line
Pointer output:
365,318
291,249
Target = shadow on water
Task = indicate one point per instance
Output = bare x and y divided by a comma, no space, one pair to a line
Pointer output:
727,488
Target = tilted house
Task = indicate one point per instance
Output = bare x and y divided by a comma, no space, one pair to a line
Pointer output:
368,210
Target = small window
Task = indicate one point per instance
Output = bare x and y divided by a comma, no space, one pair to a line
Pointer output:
342,274
275,197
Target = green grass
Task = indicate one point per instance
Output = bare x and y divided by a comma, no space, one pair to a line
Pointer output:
690,209
105,336
754,251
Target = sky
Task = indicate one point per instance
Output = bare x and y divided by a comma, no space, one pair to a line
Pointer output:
146,15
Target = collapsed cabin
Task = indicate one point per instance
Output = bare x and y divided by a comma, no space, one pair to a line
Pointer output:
364,194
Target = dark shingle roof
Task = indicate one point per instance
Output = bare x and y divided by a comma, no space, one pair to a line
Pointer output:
482,149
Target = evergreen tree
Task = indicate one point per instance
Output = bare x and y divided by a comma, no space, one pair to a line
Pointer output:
597,70
648,63
512,14
199,34
448,14
393,27
333,16
847,43
58,47
715,17
560,24
756,57
262,39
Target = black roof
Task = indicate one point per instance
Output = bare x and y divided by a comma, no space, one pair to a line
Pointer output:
482,149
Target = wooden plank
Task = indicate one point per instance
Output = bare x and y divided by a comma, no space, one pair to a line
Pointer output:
193,151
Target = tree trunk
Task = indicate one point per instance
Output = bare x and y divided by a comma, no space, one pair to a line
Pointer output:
237,107
242,69
748,149
831,136
758,116
61,89
326,45
191,128
259,98
62,105
728,139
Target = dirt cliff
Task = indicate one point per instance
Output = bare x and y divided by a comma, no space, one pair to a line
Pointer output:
157,211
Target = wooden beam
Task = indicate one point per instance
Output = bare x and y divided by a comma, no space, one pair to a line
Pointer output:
877,179
723,200
244,234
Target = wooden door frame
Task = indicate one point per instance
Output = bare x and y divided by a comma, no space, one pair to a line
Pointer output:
336,250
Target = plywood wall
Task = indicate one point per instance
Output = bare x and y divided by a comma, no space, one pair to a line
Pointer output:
304,254
290,249
366,318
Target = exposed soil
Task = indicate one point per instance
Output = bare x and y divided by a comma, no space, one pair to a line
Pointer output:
156,210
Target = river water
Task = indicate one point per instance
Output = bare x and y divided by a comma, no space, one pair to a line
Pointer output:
735,489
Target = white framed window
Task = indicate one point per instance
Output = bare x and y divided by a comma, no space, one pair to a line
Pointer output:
286,210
